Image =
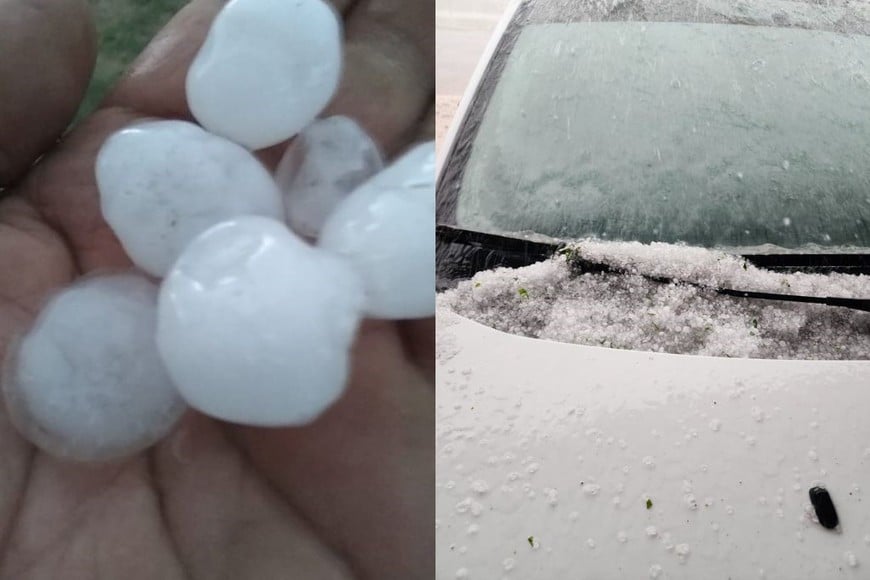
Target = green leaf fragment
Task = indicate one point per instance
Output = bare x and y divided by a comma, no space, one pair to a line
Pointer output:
532,541
648,503
523,293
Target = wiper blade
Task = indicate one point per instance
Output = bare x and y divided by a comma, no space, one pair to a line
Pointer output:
462,253
484,251
853,303
816,263
584,265
516,252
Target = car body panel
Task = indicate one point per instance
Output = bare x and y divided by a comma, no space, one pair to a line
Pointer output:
564,444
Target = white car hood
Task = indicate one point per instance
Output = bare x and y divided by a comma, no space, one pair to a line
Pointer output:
547,452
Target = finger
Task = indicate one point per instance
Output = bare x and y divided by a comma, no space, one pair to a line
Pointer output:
63,189
32,247
389,69
28,246
17,457
425,130
362,473
343,6
154,84
418,337
226,521
47,54
89,521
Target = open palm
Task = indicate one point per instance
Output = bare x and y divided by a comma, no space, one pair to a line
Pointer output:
349,496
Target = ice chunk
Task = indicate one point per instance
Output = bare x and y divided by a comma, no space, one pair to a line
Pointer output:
255,325
386,228
163,182
266,69
414,170
328,160
87,382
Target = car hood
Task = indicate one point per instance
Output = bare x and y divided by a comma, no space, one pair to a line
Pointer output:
547,453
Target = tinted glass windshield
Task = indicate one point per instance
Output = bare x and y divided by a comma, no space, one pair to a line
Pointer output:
714,135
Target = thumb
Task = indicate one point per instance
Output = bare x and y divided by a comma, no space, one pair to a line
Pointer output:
47,54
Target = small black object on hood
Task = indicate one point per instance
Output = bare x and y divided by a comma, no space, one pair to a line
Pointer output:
824,507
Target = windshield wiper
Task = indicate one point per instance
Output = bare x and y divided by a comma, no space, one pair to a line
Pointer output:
462,253
582,265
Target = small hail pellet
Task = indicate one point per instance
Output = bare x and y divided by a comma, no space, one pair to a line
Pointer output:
255,325
86,382
265,70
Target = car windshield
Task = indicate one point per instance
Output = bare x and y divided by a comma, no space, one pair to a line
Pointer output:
654,152
713,135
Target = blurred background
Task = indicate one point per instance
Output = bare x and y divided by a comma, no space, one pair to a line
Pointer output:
125,27
463,29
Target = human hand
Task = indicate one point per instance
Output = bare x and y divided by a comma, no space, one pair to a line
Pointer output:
350,495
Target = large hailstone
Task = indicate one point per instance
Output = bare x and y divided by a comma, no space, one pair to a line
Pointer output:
164,182
414,170
266,69
255,326
86,382
326,161
386,227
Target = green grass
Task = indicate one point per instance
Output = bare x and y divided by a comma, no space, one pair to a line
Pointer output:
125,27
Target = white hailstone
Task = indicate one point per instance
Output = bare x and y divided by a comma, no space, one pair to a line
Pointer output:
386,227
164,182
86,382
266,69
255,326
414,170
329,159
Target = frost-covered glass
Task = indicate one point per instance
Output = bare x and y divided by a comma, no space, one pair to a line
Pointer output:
711,134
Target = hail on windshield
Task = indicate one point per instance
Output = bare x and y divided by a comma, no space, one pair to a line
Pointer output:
550,300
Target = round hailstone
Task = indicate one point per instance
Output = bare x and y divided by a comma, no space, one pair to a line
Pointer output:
327,161
164,182
266,69
386,227
255,326
86,382
414,170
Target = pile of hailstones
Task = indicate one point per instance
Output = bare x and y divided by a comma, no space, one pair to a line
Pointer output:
253,320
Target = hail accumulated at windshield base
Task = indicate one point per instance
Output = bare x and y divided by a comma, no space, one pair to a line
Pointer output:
550,300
